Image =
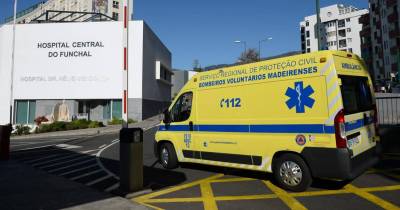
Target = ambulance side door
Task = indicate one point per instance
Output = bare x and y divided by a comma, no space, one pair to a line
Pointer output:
181,125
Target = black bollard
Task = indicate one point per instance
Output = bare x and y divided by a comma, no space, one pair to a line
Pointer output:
5,133
131,159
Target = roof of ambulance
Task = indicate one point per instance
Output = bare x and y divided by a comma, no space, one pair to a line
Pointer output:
323,53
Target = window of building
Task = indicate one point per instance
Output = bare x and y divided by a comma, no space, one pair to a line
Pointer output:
348,30
115,16
307,23
387,61
341,23
349,40
182,108
347,19
308,42
307,34
25,112
342,33
308,50
342,43
163,74
116,4
116,109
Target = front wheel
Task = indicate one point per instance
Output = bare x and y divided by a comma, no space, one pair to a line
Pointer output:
167,156
292,173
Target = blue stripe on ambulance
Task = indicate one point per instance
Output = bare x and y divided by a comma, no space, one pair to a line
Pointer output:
283,128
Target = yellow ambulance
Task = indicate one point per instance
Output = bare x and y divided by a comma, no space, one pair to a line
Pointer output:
298,117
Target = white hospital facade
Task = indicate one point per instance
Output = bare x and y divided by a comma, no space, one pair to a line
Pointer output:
79,66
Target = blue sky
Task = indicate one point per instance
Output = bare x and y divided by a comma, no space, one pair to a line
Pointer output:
205,30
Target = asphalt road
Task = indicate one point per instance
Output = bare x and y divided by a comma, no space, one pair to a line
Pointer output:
94,161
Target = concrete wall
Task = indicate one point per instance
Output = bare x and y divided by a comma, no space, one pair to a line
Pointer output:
156,94
179,79
5,77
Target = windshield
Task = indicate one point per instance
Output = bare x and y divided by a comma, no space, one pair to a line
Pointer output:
356,94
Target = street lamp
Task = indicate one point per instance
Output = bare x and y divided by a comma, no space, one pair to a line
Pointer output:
243,42
259,46
317,8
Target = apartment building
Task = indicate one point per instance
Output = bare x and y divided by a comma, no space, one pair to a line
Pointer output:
381,38
110,8
340,29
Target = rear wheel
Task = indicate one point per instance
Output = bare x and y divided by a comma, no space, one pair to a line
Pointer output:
167,156
292,173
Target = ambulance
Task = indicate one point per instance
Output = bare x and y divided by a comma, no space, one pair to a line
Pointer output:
300,117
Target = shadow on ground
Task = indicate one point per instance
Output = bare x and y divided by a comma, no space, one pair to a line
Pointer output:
42,179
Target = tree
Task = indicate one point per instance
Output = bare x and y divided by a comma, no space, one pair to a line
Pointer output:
250,55
196,65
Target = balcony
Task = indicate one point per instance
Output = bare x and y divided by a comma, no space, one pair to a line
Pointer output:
392,18
390,3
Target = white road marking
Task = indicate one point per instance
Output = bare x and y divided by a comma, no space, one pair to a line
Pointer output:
101,164
30,148
102,146
55,159
98,180
75,164
86,174
40,159
20,144
89,151
68,146
115,140
63,162
113,187
78,169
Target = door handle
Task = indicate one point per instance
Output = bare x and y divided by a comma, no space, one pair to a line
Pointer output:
191,126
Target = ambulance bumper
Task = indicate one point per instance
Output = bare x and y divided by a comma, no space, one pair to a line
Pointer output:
332,163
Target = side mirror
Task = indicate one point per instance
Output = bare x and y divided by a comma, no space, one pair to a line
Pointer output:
167,117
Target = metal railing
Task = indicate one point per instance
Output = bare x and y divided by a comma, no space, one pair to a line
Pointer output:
388,110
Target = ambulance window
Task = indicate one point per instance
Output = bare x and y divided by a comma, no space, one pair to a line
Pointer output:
356,94
182,108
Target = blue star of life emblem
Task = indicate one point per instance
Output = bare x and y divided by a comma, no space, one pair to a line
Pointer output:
299,97
187,139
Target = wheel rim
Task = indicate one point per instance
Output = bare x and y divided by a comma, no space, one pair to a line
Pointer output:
164,156
290,173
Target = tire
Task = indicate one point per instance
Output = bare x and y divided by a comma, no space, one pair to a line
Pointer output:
167,156
286,178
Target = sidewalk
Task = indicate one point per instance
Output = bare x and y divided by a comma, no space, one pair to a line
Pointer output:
23,187
145,124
